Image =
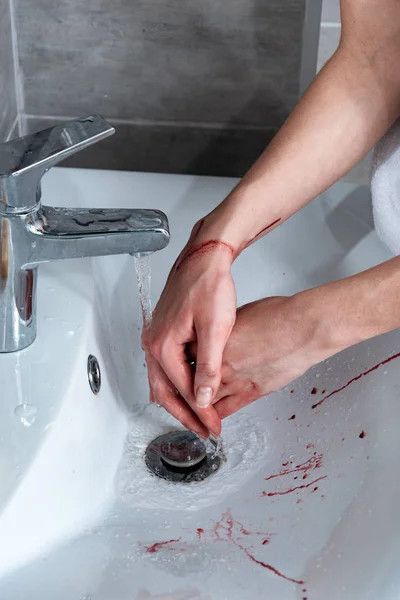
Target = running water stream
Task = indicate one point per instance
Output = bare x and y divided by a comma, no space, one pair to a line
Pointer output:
143,274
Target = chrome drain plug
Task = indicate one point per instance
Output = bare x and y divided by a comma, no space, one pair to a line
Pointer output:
181,456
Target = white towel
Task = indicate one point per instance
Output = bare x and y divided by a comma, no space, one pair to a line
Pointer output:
385,188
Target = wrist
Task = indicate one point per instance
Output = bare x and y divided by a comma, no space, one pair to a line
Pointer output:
239,219
205,244
327,332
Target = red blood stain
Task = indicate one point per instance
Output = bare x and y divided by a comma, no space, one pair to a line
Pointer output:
265,542
204,249
314,462
310,445
362,434
155,547
299,501
294,489
314,390
255,387
292,417
227,526
374,368
292,391
323,391
200,532
263,231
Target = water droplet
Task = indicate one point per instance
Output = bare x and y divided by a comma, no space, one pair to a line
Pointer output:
26,414
70,333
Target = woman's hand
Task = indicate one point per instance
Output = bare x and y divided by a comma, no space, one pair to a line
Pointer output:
198,304
276,340
273,342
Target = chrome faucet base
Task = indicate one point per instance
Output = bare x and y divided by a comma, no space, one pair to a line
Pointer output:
31,234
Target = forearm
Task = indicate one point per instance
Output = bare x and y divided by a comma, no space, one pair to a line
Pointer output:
352,310
346,110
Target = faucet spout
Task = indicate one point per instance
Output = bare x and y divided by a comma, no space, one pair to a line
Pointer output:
59,233
31,234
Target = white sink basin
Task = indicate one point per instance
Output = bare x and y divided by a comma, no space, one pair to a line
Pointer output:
304,507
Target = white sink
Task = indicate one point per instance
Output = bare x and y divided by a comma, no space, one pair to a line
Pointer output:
80,515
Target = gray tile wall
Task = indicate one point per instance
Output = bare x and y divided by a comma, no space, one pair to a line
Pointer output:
197,86
8,102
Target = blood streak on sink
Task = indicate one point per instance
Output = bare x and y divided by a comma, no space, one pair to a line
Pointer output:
155,547
306,467
312,463
229,530
296,488
232,532
367,372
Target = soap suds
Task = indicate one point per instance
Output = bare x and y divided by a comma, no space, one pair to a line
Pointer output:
245,449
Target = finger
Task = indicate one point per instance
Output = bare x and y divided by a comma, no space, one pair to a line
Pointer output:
164,394
173,361
231,404
152,400
226,389
210,346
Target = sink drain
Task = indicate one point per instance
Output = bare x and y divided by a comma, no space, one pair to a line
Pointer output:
180,456
94,374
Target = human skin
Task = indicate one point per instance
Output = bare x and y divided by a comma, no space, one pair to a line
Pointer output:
349,106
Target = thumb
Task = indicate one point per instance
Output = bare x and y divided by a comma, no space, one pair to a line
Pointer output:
207,379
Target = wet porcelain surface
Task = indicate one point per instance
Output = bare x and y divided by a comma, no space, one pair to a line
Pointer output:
306,505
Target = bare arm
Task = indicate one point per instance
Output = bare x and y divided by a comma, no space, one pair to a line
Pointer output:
346,110
303,330
349,106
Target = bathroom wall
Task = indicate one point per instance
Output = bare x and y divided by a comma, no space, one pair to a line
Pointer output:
199,86
330,30
8,102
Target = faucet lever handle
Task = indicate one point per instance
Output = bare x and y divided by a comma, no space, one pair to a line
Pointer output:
25,160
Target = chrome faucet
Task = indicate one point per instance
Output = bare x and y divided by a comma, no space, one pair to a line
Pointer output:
31,234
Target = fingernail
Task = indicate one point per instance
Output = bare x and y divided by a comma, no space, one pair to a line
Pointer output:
200,434
203,397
